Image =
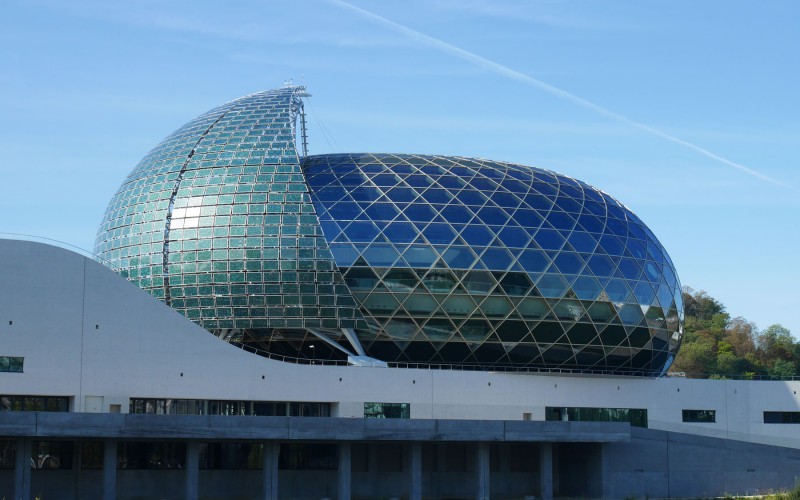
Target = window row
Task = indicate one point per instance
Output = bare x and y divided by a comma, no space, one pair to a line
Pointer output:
243,408
636,416
33,403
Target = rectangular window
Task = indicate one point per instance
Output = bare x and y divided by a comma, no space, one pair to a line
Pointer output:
700,416
151,455
387,410
8,454
11,364
637,417
214,407
51,455
231,456
782,417
33,403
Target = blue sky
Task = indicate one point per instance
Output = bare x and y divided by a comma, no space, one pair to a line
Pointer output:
88,87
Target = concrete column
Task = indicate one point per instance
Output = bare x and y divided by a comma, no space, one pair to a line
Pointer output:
415,471
109,470
270,472
482,486
22,470
345,471
192,487
546,471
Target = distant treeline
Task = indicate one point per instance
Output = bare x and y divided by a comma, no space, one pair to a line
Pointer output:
718,346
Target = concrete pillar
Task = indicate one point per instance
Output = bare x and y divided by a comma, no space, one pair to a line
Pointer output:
345,471
109,470
270,472
546,471
192,486
22,470
415,471
482,486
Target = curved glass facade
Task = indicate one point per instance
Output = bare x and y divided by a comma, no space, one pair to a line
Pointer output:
425,259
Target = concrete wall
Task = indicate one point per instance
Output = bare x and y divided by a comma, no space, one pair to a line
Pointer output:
88,334
660,464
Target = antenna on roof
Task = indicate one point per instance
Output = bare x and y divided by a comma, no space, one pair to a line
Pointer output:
287,83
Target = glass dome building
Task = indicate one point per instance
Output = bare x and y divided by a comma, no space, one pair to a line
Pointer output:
408,259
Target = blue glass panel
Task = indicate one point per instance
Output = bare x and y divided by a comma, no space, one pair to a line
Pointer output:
491,215
568,263
582,242
612,245
437,195
560,220
629,268
459,257
330,229
361,231
552,285
506,200
477,235
439,234
652,272
526,217
344,255
419,212
644,293
331,193
514,237
344,210
420,256
380,255
600,265
549,239
401,194
591,223
472,198
457,214
368,194
386,180
534,261
382,211
617,290
401,232
631,314
496,259
586,288
636,249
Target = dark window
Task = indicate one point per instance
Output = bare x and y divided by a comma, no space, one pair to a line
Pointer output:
704,416
782,417
151,455
8,454
231,456
11,364
51,455
308,456
636,416
387,410
204,407
92,455
33,403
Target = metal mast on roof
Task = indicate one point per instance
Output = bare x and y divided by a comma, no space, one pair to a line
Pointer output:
299,109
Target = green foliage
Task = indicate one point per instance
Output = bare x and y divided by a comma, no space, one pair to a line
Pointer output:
715,345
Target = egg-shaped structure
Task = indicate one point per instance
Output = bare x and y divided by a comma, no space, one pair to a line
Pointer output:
402,258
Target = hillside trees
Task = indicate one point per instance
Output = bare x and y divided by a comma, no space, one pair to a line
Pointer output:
716,345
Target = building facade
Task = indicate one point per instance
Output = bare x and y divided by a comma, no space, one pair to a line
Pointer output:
267,324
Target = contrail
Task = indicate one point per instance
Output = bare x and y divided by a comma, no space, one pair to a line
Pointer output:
563,94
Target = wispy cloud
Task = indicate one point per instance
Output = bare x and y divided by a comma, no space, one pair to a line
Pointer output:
541,13
515,75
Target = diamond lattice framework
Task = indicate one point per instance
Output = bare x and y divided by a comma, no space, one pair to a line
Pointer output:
426,259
